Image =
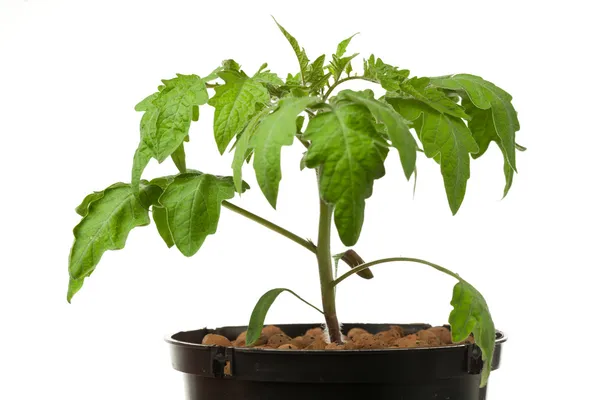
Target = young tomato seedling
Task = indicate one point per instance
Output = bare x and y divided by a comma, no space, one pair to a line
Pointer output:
348,136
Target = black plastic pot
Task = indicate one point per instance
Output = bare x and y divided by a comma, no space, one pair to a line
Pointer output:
440,373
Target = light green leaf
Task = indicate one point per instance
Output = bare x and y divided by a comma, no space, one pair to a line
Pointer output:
234,103
193,205
343,45
445,139
275,131
349,153
268,78
484,132
168,116
471,315
389,77
178,158
159,215
75,286
300,53
141,158
485,95
243,147
82,209
397,129
340,64
106,225
420,89
257,319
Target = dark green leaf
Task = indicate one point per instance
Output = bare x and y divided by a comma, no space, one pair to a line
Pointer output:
484,132
193,205
159,215
106,226
275,131
230,65
234,103
420,89
471,315
397,129
257,319
485,95
446,139
195,114
300,53
349,153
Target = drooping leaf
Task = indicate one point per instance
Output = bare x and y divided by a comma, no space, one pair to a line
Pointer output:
159,215
389,77
470,314
243,147
275,131
445,139
484,132
420,89
485,95
349,153
235,102
106,225
397,129
300,53
257,319
343,45
193,205
178,158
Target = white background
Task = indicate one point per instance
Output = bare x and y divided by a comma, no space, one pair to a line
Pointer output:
71,72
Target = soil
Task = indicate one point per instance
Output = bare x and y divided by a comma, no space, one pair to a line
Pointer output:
273,337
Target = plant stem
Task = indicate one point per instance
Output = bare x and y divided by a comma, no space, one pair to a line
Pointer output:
326,273
336,84
268,224
394,259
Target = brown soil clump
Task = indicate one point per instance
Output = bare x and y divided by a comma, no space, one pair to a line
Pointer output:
272,337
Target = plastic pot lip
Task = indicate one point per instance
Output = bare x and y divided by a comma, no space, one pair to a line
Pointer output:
500,339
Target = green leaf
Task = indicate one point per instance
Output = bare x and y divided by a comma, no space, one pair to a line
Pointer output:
349,153
178,158
484,132
397,129
82,209
159,215
166,120
446,139
485,95
389,77
242,147
193,205
275,131
339,64
257,319
420,89
268,78
343,45
300,53
235,102
75,286
141,158
106,225
471,315
195,113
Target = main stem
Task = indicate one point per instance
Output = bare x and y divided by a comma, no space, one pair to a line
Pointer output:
326,273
